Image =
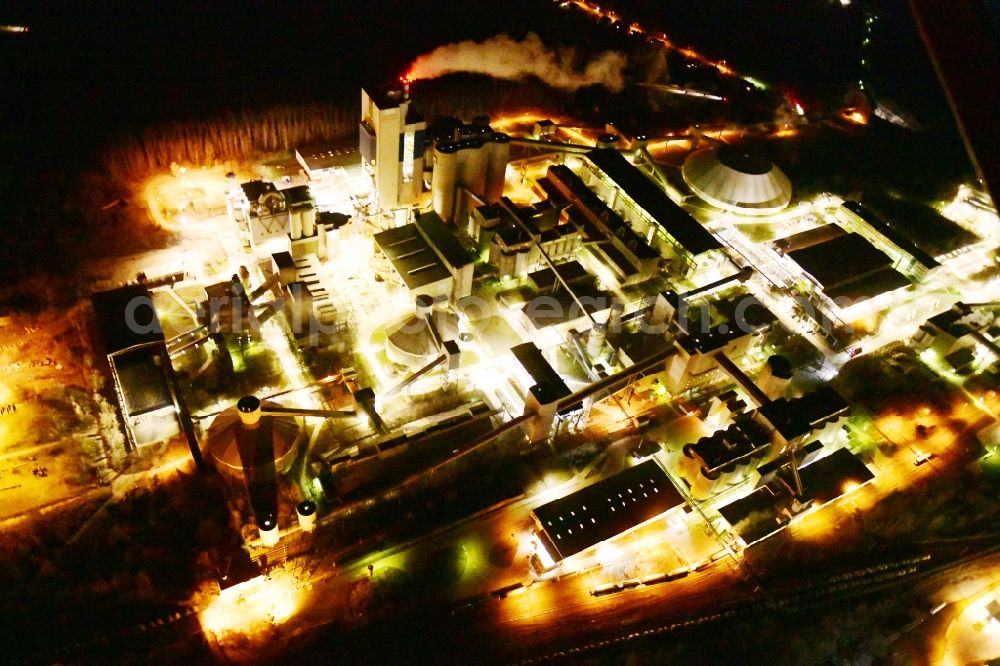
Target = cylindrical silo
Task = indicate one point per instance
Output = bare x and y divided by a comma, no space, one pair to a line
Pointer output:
443,179
295,229
595,339
423,304
306,511
333,235
308,221
472,165
615,318
775,376
268,528
607,141
496,166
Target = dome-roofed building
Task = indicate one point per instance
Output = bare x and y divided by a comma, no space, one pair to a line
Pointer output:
731,179
278,434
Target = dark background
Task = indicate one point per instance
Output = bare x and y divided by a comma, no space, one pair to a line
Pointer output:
87,68
93,74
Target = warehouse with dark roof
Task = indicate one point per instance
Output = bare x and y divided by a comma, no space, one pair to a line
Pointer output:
672,226
602,510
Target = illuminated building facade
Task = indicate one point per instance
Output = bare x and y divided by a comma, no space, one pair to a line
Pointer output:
581,520
671,230
392,137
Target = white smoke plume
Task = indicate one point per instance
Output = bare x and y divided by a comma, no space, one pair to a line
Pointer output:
505,58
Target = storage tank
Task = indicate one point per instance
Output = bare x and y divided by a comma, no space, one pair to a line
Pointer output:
775,376
295,217
423,304
472,165
443,179
596,338
607,141
308,221
306,511
268,528
496,166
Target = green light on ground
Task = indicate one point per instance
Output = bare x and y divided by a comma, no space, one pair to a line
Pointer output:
990,463
239,362
473,554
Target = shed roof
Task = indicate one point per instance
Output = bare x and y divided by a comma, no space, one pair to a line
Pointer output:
607,508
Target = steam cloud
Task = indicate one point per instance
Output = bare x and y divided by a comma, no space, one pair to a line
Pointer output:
505,58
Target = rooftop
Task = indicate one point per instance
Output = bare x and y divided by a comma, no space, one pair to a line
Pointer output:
570,272
881,282
799,416
887,230
729,178
125,317
540,371
411,256
327,155
808,238
254,189
671,217
607,508
827,478
443,239
761,513
841,260
726,448
742,316
586,198
297,195
141,381
333,219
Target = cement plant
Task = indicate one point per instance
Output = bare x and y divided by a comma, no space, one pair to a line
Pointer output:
657,360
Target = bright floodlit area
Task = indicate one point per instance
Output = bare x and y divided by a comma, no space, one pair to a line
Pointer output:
549,336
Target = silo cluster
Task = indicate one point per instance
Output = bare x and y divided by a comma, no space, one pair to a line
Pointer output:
476,160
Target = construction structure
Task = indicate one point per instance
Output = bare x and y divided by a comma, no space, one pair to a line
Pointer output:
513,239
469,168
391,137
690,249
578,522
149,402
734,180
426,258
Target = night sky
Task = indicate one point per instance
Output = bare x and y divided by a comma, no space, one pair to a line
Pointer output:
86,68
90,74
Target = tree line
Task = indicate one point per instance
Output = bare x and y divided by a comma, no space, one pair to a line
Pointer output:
242,135
232,136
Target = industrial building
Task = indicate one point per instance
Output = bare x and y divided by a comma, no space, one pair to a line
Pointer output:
614,250
137,356
426,258
667,227
817,414
728,454
270,220
792,491
725,328
533,373
581,520
962,336
907,258
392,137
320,162
843,270
728,178
750,443
470,169
512,239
